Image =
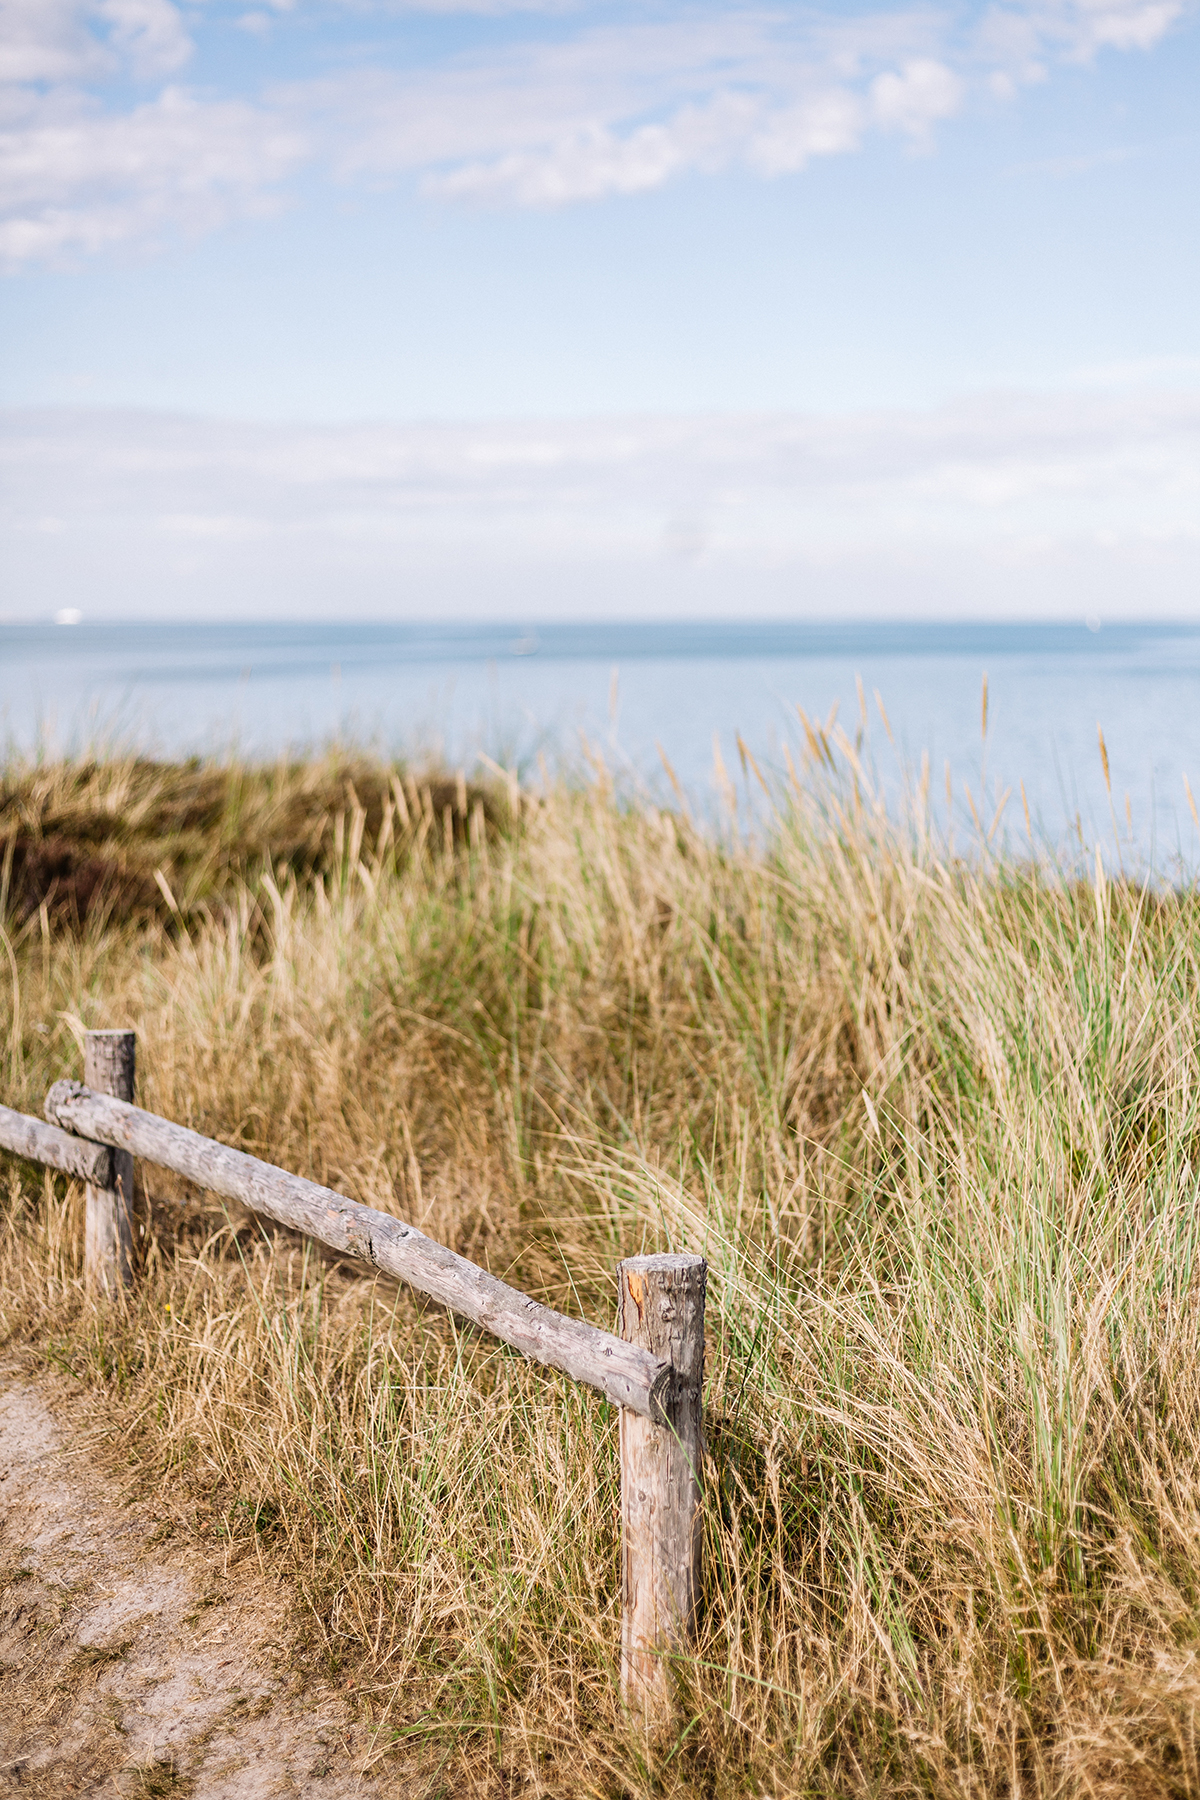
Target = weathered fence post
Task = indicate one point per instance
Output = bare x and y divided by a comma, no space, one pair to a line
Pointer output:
108,1067
661,1307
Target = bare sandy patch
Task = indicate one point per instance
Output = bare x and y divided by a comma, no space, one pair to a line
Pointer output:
130,1662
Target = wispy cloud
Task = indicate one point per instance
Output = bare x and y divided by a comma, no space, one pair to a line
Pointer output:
56,41
77,182
1068,501
101,144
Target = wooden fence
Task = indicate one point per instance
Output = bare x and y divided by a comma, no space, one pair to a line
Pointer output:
654,1370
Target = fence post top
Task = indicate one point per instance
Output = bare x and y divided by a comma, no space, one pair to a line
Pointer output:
668,1263
111,1031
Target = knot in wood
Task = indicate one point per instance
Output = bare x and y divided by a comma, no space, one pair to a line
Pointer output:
60,1095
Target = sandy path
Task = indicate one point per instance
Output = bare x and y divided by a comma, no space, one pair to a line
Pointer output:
129,1663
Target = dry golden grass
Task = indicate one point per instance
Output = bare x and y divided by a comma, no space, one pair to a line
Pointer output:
934,1124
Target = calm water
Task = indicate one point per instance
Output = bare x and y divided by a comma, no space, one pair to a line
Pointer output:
515,690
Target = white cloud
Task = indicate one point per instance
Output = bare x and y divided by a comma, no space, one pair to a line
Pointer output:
549,120
587,167
47,40
1033,494
74,181
1019,36
147,34
622,110
77,40
915,98
828,124
619,110
1092,25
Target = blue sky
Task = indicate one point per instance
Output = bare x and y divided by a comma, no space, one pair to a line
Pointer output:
963,240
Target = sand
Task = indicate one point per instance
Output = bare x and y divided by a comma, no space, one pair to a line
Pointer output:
132,1660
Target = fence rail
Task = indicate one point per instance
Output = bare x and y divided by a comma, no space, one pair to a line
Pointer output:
625,1372
653,1371
41,1143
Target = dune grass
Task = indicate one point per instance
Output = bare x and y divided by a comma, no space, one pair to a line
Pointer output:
933,1121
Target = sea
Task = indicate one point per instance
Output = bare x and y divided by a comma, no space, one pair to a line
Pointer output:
1084,734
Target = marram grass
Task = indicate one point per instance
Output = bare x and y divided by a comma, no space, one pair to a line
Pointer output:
933,1121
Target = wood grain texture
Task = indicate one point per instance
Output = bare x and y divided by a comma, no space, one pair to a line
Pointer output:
631,1376
108,1067
661,1301
37,1142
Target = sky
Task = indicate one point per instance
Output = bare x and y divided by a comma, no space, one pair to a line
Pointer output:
544,308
